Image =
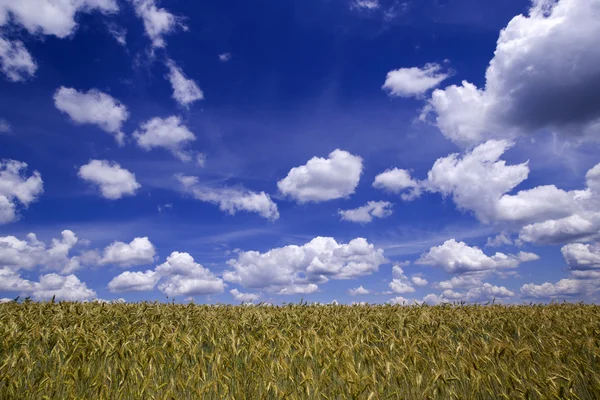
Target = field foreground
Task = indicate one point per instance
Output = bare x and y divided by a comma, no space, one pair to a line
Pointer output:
169,351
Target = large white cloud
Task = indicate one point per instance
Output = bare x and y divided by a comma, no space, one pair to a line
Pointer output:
582,256
185,90
180,275
27,254
544,75
93,107
231,200
16,187
364,214
139,252
113,180
415,81
47,17
293,266
158,22
322,179
63,288
458,257
169,133
477,180
51,17
565,288
15,61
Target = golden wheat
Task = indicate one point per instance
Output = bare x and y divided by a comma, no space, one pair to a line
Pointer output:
169,351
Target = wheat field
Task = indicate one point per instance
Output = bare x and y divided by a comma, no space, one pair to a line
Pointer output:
172,351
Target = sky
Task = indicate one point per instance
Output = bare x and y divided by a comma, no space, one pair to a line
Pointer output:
377,151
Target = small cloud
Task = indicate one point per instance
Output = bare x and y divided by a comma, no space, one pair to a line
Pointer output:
5,126
225,57
365,4
164,207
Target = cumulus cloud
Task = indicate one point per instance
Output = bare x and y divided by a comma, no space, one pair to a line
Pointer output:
51,17
64,288
292,267
415,81
27,254
16,188
139,251
179,275
364,214
15,61
400,283
565,288
231,200
322,179
582,256
502,239
185,91
398,180
419,281
244,297
458,257
299,289
225,57
168,133
113,180
543,77
483,293
158,22
93,107
358,291
134,282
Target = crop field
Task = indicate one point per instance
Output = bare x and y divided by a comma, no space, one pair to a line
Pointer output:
171,351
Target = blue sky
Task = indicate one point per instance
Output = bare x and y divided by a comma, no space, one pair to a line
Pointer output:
356,150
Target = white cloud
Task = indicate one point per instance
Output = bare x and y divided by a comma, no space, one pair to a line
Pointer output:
15,61
185,91
415,81
397,180
582,256
315,262
231,200
461,281
400,283
225,57
501,239
483,293
419,281
365,4
358,291
11,281
584,226
457,257
364,214
323,179
401,301
16,187
244,297
51,17
168,133
93,107
139,252
543,76
31,252
114,182
5,126
477,179
158,22
65,288
134,282
562,289
299,289
179,275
